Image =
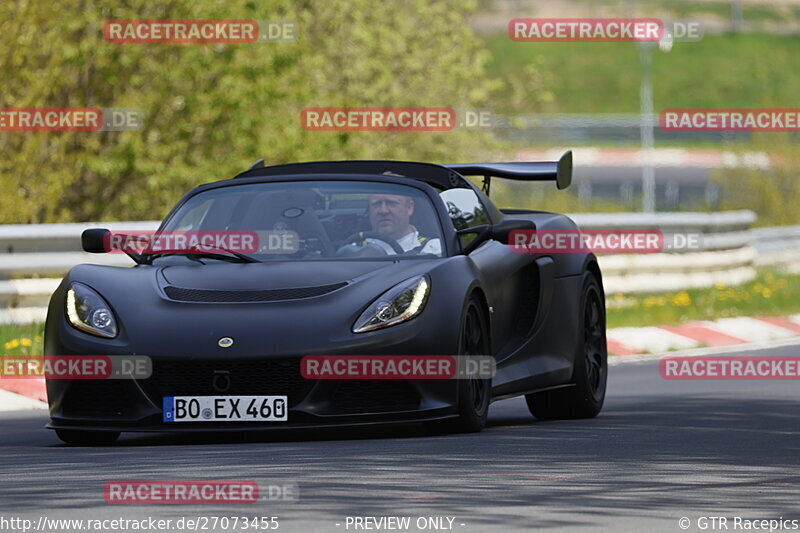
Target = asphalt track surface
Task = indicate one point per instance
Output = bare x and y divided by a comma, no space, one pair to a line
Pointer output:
660,450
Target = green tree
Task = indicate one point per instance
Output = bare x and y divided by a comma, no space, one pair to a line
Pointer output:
211,109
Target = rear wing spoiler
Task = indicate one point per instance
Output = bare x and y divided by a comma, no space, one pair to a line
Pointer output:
559,171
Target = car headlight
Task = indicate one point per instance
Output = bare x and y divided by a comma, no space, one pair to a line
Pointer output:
89,312
398,304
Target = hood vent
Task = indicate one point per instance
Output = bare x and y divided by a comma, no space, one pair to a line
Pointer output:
242,296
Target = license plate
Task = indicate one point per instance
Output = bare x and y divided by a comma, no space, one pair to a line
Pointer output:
225,409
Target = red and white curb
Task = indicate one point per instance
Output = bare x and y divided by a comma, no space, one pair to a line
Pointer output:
10,401
718,333
22,394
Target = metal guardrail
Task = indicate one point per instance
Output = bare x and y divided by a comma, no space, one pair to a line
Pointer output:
25,238
724,253
718,231
778,247
776,239
33,257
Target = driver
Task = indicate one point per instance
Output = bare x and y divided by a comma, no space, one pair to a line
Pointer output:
390,216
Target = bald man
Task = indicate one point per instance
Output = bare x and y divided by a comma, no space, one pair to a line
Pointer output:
390,216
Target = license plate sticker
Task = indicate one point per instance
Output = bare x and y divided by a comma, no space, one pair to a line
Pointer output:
225,409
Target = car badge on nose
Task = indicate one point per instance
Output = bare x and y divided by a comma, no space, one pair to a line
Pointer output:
225,342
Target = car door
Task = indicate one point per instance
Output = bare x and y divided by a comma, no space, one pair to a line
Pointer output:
511,283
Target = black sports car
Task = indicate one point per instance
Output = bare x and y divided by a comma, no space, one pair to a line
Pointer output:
391,259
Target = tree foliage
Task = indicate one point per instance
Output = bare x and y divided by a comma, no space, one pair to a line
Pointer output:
211,109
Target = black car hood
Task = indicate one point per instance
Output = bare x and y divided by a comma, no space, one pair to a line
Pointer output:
277,275
199,304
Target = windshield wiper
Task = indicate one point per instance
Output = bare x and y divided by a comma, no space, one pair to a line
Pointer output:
197,252
244,257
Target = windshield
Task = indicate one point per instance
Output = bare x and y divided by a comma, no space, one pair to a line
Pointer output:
318,220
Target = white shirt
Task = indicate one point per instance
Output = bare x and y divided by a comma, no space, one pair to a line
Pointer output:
408,242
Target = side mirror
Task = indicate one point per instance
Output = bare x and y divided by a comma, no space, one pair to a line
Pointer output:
481,234
94,240
502,232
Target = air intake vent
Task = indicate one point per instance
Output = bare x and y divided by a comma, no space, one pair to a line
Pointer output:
269,295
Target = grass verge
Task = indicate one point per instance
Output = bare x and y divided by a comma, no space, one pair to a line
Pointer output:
21,339
731,70
771,293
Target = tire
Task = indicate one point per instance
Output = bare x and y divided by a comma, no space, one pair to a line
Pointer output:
473,393
585,398
87,438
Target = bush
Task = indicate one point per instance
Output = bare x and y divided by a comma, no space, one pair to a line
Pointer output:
211,109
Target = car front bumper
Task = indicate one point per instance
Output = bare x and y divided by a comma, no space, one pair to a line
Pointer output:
136,404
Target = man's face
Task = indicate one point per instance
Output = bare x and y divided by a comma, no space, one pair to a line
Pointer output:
389,214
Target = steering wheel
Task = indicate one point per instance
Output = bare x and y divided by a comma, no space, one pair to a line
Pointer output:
378,237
